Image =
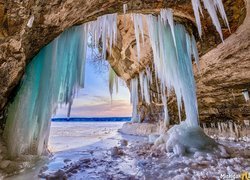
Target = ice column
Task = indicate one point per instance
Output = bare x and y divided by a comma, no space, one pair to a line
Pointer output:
134,98
53,76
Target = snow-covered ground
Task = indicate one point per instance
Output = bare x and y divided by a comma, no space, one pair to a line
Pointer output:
98,151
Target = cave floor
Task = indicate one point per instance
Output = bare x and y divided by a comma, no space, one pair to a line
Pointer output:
109,154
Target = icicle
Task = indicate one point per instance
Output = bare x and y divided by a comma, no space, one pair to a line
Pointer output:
125,8
104,28
196,6
222,12
246,95
146,90
211,6
52,77
31,20
173,64
134,98
138,26
113,79
195,52
219,127
167,16
141,79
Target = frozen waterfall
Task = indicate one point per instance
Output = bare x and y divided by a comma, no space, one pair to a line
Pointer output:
52,77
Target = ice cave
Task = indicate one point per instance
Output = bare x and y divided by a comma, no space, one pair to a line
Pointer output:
184,71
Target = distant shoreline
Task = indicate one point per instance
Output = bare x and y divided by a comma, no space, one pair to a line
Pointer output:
92,119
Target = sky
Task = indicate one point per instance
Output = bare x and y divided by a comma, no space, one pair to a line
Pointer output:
94,99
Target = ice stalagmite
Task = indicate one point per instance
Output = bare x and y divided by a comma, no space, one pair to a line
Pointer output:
53,76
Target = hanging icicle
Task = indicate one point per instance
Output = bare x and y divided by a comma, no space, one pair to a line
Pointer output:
53,76
212,6
31,20
138,26
113,80
134,98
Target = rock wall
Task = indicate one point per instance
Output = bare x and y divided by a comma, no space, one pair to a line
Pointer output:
224,74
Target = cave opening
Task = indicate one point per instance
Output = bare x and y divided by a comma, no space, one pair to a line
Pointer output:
173,50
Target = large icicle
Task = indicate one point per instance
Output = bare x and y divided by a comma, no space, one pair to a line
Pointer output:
211,6
113,80
52,76
104,29
138,26
134,98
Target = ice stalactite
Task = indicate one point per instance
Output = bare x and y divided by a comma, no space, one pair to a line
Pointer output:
195,51
138,26
246,95
145,79
113,81
53,76
104,29
173,64
212,7
31,20
134,98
